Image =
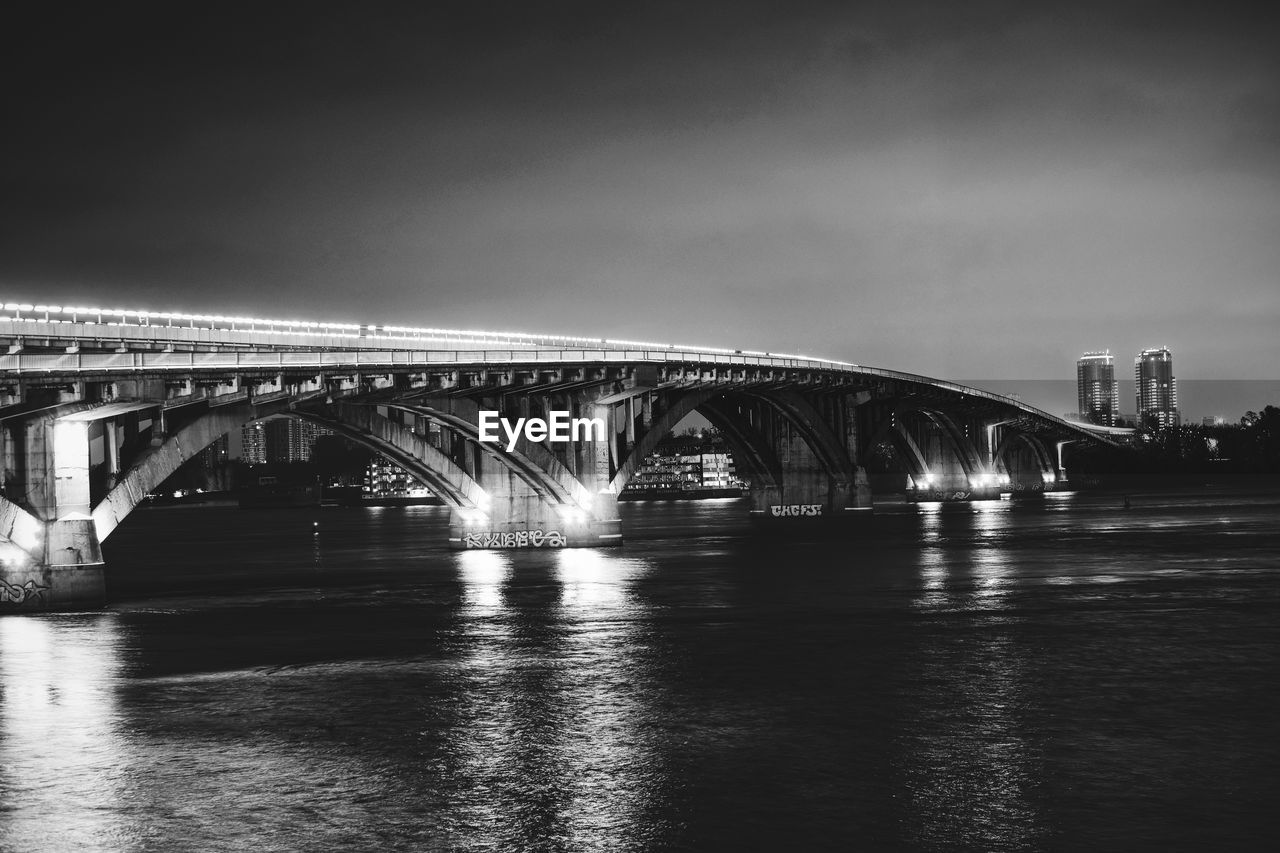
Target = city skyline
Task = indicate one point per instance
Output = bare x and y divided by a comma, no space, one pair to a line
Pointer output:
1097,394
1156,388
955,191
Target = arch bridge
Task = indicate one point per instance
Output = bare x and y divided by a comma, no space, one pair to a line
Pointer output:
97,408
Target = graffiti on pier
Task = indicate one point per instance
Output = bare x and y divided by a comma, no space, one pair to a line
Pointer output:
943,495
516,539
796,510
28,593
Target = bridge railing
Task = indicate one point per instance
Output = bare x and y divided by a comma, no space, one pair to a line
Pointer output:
115,327
298,344
25,363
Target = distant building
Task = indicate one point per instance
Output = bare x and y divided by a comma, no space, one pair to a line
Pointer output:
717,470
658,472
279,440
384,479
1097,392
684,466
1157,389
291,440
253,442
704,470
1213,420
216,455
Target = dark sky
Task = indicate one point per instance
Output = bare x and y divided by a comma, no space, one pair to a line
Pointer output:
960,189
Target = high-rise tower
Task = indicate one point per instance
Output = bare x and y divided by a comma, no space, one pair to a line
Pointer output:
1157,389
1097,391
253,438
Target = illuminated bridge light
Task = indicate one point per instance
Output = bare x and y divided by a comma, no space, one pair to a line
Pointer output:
571,514
462,338
473,517
90,315
982,480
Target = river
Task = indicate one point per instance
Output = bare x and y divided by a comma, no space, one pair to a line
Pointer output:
1060,674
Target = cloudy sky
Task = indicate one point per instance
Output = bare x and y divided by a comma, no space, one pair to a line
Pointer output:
960,189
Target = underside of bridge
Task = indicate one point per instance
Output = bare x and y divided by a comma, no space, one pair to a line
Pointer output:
80,448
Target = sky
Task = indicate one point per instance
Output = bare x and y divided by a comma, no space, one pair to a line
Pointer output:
956,189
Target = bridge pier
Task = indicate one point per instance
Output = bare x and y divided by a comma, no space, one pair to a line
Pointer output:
515,516
952,471
806,488
572,528
1024,466
529,500
70,575
53,558
55,565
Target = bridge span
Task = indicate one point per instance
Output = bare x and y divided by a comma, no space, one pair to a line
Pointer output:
98,407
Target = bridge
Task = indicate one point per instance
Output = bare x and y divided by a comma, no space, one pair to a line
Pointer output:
98,407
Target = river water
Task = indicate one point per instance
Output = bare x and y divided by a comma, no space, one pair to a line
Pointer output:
997,676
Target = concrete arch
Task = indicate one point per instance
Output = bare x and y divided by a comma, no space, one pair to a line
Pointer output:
895,432
747,442
746,445
677,409
908,450
802,416
405,448
19,527
960,445
411,452
155,466
530,461
1009,442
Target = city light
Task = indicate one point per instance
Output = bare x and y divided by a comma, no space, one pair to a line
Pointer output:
571,514
473,517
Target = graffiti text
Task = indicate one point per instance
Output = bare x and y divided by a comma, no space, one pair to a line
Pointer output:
515,539
29,592
795,510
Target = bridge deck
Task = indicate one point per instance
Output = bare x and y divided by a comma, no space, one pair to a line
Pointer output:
125,341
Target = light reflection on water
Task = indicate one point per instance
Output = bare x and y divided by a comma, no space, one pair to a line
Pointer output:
565,707
992,676
606,687
968,770
61,741
483,574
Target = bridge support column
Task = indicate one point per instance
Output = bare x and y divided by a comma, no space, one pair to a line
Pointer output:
860,496
53,559
806,490
860,492
71,574
516,516
1024,470
597,475
946,477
